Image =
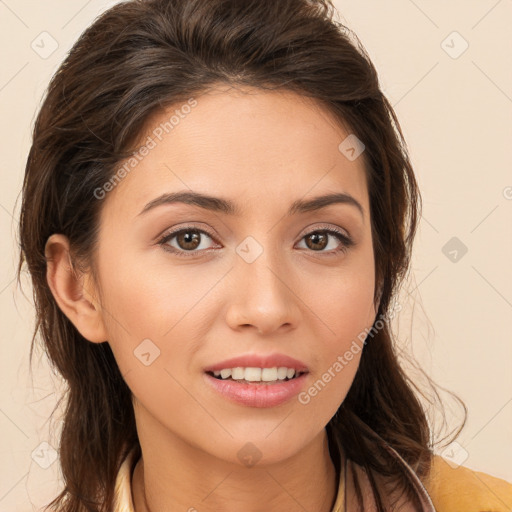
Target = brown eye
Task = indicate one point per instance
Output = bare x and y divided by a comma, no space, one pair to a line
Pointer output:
318,240
188,240
321,241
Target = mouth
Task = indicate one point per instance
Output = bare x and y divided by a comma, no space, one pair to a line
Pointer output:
257,387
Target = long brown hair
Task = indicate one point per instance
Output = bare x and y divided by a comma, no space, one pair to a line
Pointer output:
134,60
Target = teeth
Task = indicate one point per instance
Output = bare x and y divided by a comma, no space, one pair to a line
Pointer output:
238,374
268,374
225,373
253,374
281,372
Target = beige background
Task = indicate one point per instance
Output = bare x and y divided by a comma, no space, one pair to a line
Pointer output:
456,112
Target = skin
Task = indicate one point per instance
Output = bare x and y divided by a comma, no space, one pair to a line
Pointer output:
262,150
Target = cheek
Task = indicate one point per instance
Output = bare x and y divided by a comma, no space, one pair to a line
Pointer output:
153,328
343,301
141,298
345,310
152,308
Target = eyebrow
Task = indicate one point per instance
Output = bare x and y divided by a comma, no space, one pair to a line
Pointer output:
217,204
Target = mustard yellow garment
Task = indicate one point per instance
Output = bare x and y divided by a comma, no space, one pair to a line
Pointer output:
462,489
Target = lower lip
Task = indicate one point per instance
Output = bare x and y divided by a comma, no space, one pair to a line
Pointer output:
257,395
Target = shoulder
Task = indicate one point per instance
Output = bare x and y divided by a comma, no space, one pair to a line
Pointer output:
454,488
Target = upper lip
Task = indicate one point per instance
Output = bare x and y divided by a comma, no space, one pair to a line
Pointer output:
259,361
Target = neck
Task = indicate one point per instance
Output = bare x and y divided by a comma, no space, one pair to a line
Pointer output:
306,481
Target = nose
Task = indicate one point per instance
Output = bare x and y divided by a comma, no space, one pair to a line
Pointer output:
264,297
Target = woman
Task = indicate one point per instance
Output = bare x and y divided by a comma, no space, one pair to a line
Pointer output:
218,210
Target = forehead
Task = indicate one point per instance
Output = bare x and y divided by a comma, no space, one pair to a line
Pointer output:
247,144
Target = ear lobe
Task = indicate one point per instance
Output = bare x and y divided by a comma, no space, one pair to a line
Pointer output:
69,290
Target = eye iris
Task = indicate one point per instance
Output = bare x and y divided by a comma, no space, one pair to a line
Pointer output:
315,237
188,237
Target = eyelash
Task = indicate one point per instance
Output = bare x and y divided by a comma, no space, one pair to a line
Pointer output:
346,241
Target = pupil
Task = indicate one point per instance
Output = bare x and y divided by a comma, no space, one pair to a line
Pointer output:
190,237
315,237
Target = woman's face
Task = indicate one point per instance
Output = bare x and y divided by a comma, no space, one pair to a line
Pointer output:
261,277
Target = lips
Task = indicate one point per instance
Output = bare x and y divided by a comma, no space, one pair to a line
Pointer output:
259,361
261,395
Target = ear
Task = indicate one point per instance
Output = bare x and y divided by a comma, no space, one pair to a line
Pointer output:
74,294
